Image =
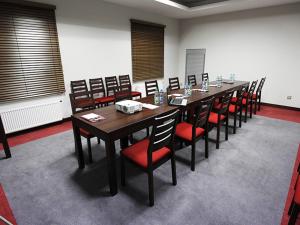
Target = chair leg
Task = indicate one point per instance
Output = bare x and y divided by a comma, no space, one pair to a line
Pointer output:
89,150
226,128
246,113
151,191
294,214
291,207
234,122
98,140
206,145
259,103
255,106
218,135
251,108
193,157
123,182
148,132
173,164
6,148
240,119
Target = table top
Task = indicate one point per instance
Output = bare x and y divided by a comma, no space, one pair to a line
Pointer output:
117,123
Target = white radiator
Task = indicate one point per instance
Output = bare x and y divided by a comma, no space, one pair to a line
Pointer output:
33,116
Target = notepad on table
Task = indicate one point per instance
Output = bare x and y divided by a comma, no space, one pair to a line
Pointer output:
92,117
150,106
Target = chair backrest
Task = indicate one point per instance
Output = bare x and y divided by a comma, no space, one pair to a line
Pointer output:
192,80
162,133
252,88
151,86
97,87
204,76
78,86
123,93
201,114
82,101
124,80
240,95
111,84
260,86
225,102
174,83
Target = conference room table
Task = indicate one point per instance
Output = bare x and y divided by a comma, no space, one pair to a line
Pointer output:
117,125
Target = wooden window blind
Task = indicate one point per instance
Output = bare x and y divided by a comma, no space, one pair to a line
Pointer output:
30,63
147,41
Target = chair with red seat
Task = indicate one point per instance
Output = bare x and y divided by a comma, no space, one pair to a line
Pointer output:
190,133
219,115
248,100
123,93
124,80
111,84
152,152
174,83
236,107
257,95
83,101
98,92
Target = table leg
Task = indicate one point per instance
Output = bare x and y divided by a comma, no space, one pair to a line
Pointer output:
6,148
78,145
111,166
124,142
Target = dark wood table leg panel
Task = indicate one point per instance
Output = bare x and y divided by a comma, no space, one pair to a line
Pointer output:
6,148
111,166
78,145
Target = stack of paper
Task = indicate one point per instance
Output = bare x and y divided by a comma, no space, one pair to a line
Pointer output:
92,117
150,106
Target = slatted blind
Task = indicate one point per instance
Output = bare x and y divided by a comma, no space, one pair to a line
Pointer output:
147,50
30,63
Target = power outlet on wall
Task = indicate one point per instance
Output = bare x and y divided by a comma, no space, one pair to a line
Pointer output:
289,97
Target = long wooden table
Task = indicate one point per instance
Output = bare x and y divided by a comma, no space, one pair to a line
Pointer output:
118,125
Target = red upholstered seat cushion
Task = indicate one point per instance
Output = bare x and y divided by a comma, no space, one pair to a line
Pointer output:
234,99
105,99
254,96
138,153
213,118
184,130
244,101
136,93
245,94
232,108
85,133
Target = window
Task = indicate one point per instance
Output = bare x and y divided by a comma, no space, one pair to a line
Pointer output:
147,50
30,63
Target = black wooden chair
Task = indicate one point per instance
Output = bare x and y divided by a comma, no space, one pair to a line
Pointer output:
204,76
98,92
83,101
174,83
236,108
124,80
151,87
3,140
123,93
257,95
152,152
192,80
220,115
248,101
192,132
111,84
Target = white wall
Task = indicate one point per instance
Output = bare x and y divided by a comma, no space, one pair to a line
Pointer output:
95,41
251,44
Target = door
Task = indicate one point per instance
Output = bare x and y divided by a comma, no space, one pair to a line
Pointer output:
195,62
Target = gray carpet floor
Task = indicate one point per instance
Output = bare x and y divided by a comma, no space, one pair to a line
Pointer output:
244,182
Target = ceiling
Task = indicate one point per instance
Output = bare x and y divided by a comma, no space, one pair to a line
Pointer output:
197,8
